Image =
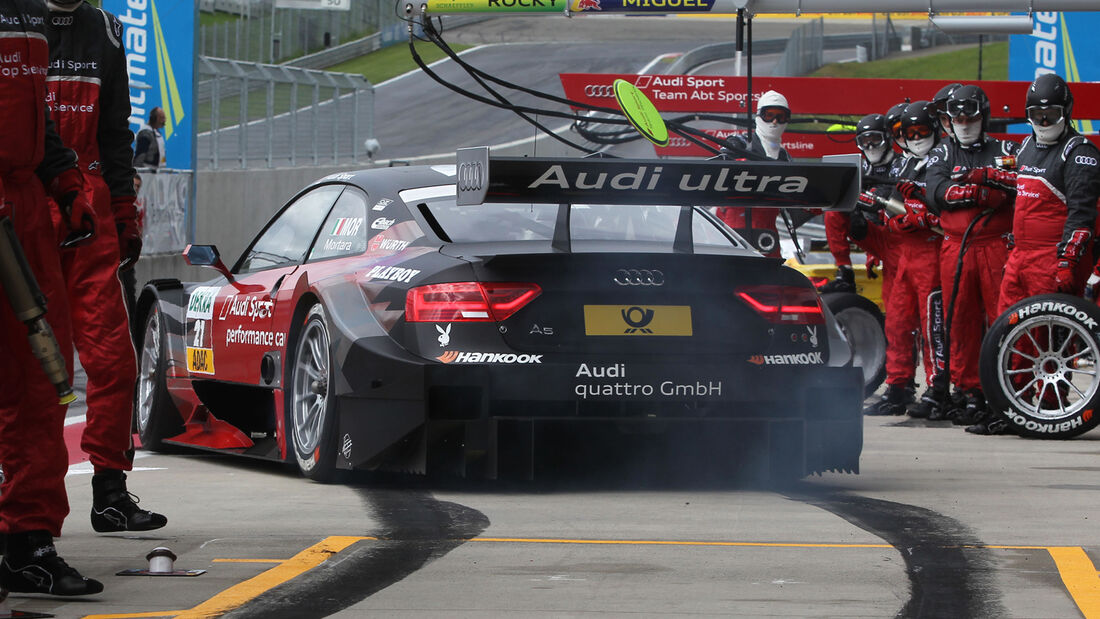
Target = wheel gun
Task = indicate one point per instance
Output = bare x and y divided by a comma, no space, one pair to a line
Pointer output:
29,305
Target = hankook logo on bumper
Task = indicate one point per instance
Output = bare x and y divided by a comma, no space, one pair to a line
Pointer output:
454,356
808,358
639,277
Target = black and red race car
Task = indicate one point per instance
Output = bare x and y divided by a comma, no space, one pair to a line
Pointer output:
471,318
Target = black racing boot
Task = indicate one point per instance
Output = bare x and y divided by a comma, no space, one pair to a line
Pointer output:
115,509
991,424
31,565
893,401
955,404
974,411
845,281
930,404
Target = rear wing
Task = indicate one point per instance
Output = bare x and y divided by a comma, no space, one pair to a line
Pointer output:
831,186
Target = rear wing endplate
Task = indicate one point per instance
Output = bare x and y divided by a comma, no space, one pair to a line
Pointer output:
831,186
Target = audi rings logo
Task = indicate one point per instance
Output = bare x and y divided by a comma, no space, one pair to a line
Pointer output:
471,176
1083,160
598,91
639,277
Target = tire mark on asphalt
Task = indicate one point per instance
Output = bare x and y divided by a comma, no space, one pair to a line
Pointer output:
414,529
950,574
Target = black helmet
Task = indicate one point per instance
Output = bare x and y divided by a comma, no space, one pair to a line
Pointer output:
871,132
969,101
939,102
919,114
1049,89
893,118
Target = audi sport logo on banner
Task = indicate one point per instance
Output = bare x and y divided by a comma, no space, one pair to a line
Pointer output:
639,277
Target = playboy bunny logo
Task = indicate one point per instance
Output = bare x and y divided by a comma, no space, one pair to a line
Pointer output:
444,335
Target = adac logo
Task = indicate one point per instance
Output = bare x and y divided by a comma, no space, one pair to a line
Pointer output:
638,319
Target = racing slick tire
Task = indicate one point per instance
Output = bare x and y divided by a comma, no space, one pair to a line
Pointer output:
310,403
155,418
865,327
1039,364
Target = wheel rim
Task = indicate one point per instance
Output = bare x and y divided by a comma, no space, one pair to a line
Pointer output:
1047,367
864,333
147,377
310,384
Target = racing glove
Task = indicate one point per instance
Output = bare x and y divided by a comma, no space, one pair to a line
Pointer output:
1068,257
990,177
867,201
129,230
872,263
910,190
75,205
971,195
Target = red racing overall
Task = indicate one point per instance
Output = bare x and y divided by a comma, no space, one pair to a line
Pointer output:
32,448
89,101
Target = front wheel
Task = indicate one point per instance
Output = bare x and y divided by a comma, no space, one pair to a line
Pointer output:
310,405
865,327
155,416
1039,366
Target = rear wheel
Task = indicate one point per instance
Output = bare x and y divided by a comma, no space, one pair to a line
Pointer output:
155,416
310,405
1039,366
865,327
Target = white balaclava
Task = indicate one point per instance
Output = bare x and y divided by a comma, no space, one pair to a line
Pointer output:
771,134
877,155
967,133
1049,135
920,147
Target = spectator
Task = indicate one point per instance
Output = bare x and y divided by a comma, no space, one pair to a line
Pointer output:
33,503
88,87
150,152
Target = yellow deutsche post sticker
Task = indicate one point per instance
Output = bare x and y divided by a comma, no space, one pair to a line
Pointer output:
200,360
637,320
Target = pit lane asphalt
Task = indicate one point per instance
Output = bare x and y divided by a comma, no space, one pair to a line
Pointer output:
939,524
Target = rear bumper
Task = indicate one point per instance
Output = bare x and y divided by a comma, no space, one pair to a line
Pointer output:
494,420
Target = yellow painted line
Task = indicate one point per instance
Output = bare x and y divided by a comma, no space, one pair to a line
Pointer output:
163,613
249,560
295,566
1080,576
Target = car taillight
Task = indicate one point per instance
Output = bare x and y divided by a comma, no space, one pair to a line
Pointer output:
787,305
818,282
468,301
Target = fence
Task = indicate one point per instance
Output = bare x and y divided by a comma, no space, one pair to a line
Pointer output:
275,115
805,50
263,33
164,200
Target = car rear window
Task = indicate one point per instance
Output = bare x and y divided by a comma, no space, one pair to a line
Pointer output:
588,222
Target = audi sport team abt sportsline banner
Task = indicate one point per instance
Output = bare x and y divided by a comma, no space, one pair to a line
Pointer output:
809,96
159,36
1062,43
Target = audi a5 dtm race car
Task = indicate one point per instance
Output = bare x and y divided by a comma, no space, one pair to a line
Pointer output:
480,318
